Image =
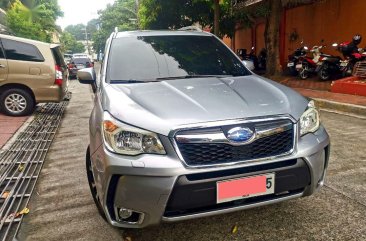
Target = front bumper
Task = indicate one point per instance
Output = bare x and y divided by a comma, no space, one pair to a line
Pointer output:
161,188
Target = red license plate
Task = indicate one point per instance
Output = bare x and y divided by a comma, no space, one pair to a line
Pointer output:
234,189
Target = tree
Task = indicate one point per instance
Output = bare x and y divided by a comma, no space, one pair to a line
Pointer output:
121,14
5,4
271,34
69,44
78,31
174,14
272,37
217,17
33,18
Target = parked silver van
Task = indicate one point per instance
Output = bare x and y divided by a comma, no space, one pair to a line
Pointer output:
181,129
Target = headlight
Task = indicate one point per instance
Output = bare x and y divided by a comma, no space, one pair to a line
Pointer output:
128,140
310,120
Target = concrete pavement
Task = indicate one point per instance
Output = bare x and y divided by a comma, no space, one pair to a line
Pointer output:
62,207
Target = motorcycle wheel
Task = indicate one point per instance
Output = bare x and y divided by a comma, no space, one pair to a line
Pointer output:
348,71
304,71
324,72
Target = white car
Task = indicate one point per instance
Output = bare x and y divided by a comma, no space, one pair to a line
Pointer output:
80,55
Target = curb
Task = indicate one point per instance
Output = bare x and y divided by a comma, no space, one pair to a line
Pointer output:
341,107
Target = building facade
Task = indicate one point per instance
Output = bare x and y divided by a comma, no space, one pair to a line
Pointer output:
321,23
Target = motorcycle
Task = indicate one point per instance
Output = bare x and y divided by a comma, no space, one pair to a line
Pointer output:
294,58
248,57
336,66
307,65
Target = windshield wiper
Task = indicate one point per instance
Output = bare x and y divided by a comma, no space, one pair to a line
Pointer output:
131,81
192,77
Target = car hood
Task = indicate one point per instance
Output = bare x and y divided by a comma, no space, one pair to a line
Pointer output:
164,106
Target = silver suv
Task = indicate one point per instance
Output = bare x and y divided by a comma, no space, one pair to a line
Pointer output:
181,129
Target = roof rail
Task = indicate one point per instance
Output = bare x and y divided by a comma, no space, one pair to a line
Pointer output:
191,28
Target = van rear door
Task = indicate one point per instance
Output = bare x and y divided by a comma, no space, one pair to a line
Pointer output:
61,66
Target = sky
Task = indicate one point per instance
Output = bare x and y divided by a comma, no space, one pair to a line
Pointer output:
80,11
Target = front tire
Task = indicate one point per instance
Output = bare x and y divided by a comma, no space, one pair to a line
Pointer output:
92,185
324,72
304,71
16,102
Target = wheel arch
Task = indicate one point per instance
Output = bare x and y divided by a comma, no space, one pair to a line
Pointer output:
19,86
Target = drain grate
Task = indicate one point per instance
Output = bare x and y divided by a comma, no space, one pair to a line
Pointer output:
21,165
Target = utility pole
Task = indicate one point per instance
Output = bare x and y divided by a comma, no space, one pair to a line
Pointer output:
87,40
137,13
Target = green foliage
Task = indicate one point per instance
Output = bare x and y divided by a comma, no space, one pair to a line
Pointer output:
174,14
78,31
33,19
69,44
5,4
121,14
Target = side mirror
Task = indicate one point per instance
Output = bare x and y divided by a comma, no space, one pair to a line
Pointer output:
87,76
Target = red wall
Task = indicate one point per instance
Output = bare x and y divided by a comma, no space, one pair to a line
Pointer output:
328,20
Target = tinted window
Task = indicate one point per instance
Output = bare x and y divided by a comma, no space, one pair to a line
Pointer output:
150,57
81,61
59,59
21,51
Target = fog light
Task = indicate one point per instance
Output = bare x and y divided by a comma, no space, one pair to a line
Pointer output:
124,213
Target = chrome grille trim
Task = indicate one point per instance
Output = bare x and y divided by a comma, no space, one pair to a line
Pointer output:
219,137
173,135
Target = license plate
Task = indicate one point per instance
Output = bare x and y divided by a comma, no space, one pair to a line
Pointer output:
80,66
290,64
241,188
343,64
298,66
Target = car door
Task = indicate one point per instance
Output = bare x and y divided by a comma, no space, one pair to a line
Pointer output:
4,69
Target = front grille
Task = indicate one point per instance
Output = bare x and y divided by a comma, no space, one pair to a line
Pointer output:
196,154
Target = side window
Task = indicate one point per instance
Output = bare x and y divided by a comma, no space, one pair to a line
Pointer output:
2,56
21,51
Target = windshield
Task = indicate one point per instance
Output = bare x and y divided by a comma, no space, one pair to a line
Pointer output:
154,57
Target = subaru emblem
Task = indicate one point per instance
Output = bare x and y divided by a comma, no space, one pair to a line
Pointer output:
240,135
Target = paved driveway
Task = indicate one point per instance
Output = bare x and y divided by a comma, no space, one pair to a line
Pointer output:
62,207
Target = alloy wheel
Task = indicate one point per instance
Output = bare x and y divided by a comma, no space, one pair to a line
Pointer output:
15,103
304,72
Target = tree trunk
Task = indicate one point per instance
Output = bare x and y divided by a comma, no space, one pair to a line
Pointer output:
272,38
217,17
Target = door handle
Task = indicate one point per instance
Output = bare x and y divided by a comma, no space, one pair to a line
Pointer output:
2,66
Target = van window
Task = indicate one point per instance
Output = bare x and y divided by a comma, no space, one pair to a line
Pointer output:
59,59
21,51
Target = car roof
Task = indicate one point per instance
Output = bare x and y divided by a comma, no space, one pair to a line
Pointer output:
29,41
161,33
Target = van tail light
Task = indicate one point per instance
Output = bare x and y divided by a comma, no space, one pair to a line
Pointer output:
90,65
59,77
71,66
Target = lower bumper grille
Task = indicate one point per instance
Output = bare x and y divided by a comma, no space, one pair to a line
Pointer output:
195,196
